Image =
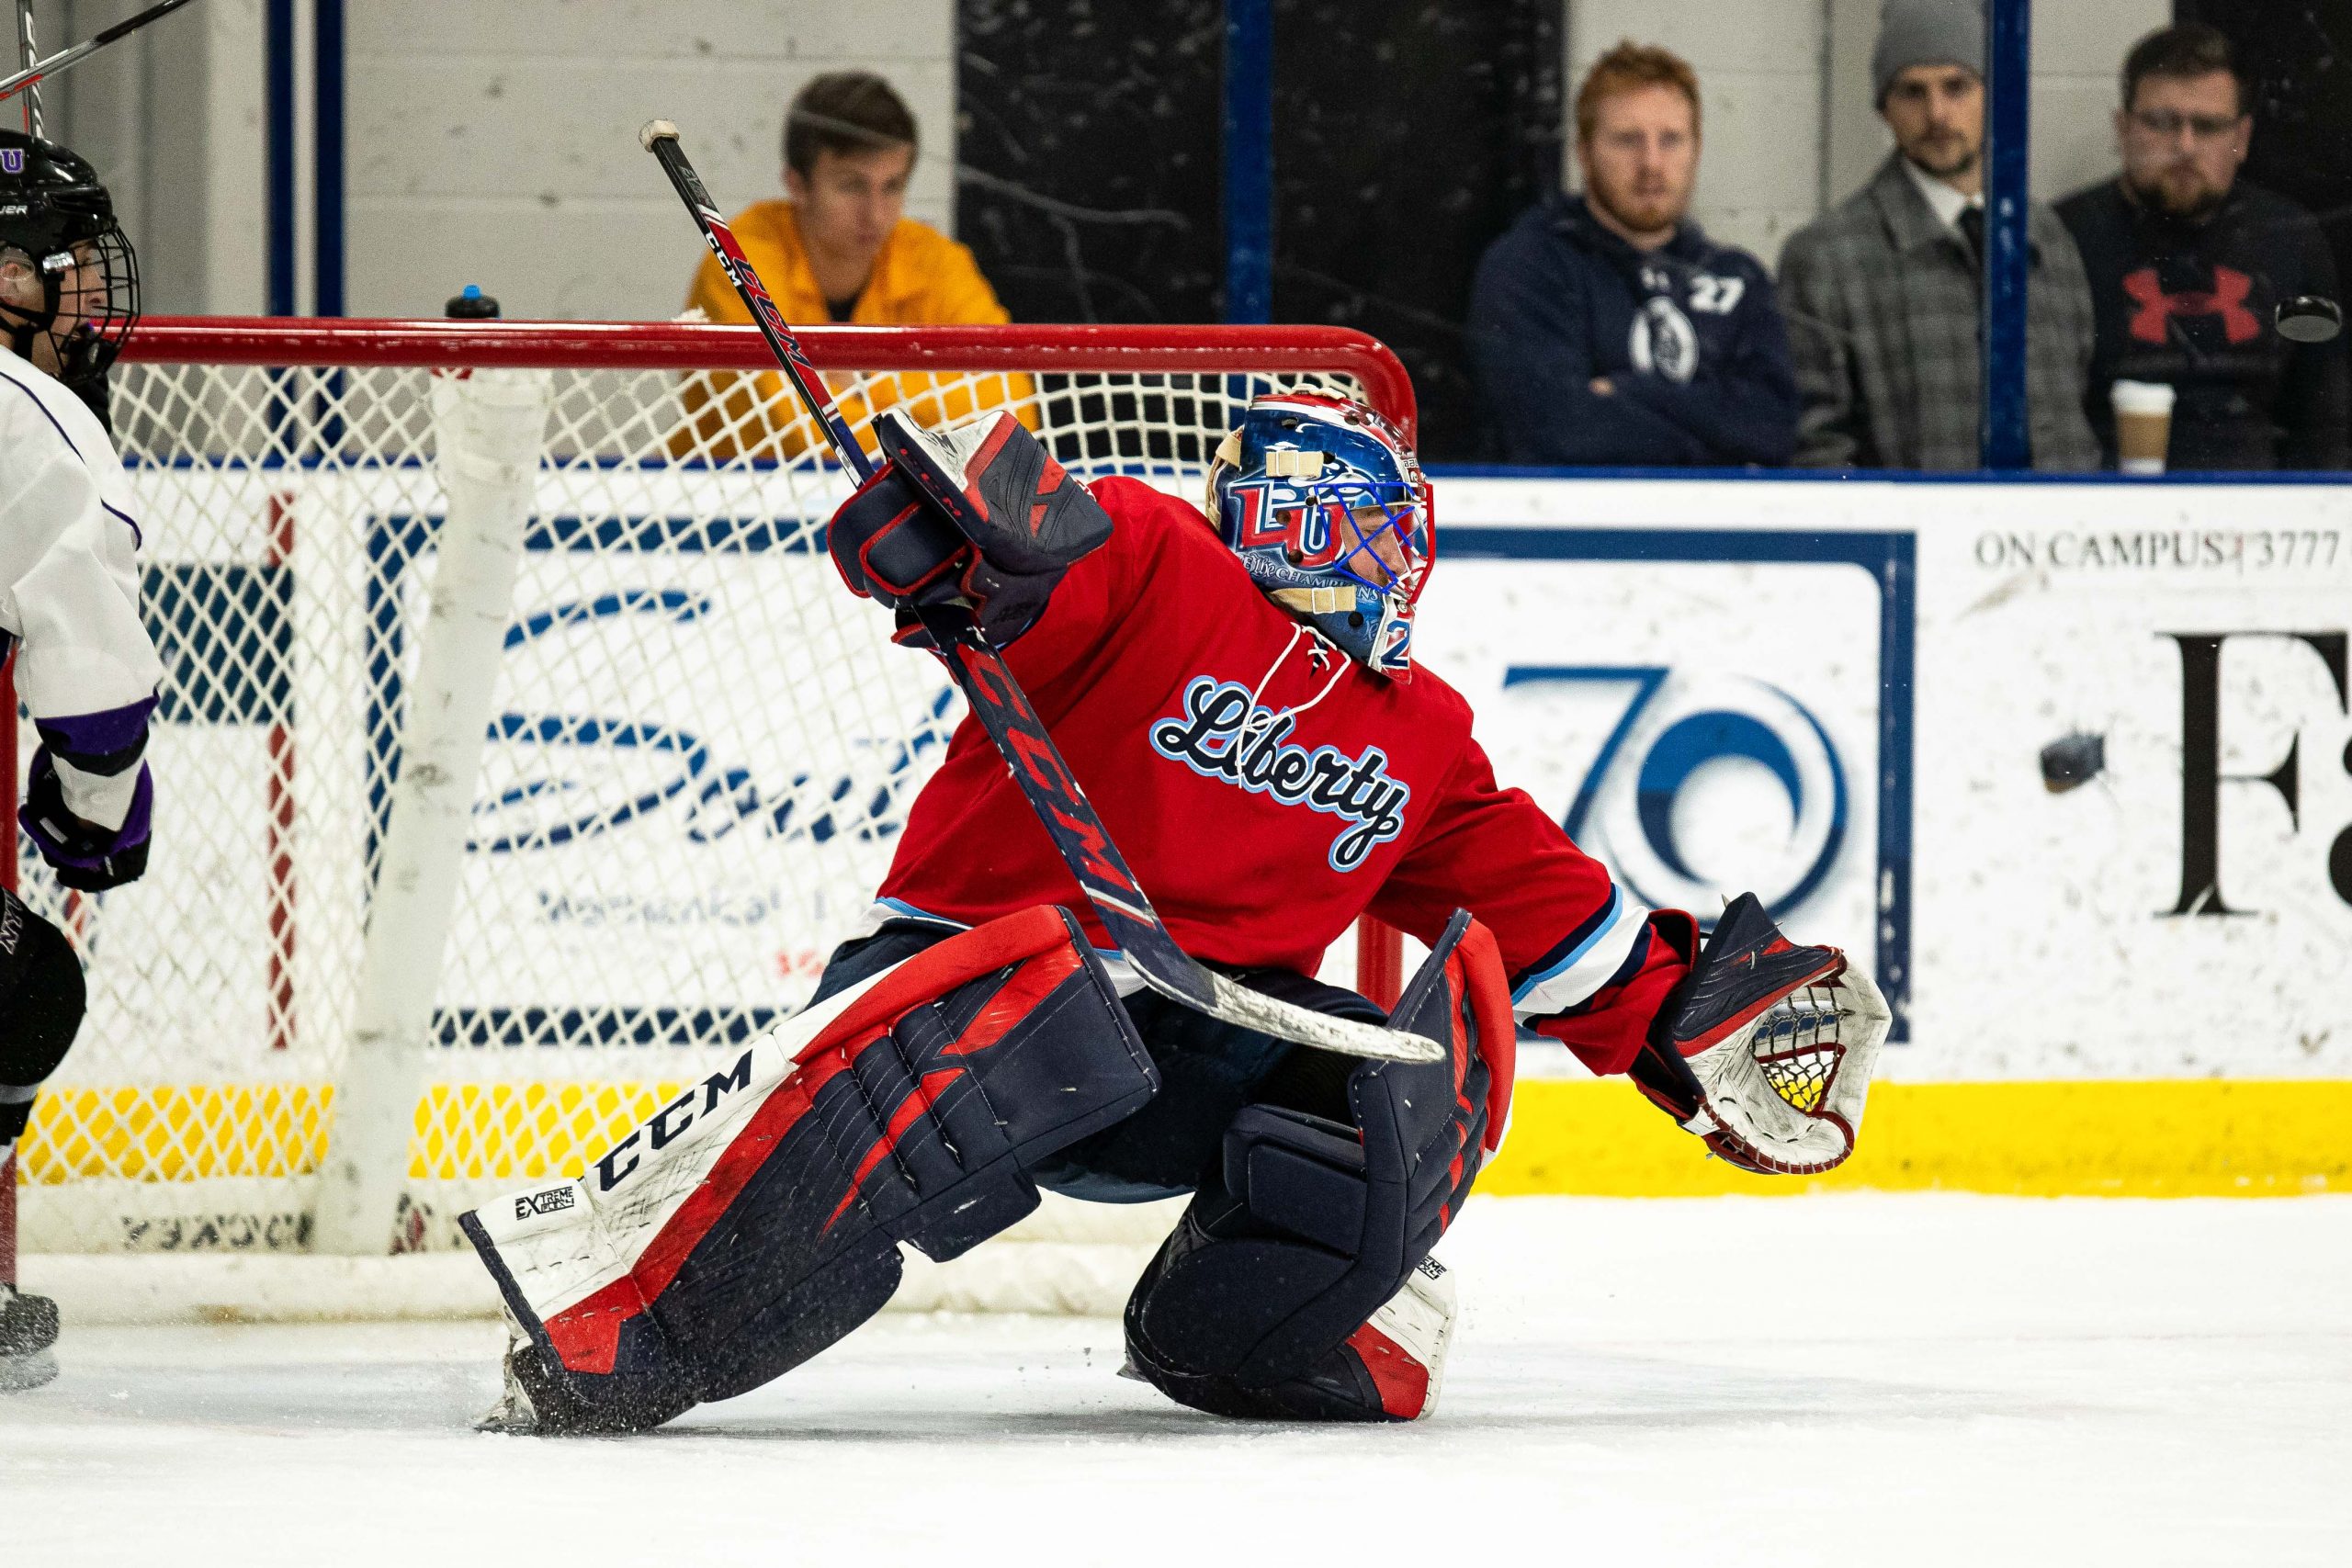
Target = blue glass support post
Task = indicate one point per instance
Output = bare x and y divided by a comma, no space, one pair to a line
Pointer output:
327,259
2004,441
1248,161
278,93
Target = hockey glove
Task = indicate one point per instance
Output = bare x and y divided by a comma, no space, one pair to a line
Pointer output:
86,856
982,515
1765,1049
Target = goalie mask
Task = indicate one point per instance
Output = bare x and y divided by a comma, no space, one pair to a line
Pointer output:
69,282
1326,507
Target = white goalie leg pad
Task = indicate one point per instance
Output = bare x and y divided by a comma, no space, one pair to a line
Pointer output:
568,1254
565,1242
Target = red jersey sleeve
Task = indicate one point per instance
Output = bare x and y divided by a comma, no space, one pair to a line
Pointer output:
1588,966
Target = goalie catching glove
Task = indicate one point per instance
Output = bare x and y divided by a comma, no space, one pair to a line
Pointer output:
1766,1048
982,516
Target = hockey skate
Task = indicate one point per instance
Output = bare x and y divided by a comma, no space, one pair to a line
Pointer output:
513,1413
533,1405
529,1404
27,1333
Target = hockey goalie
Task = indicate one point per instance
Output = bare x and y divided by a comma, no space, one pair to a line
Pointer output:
1236,693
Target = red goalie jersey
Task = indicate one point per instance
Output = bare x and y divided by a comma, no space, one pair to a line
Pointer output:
1267,791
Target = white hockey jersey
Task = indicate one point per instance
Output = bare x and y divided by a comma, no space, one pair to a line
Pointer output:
68,573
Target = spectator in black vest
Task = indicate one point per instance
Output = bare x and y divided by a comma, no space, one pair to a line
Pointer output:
2188,264
1605,328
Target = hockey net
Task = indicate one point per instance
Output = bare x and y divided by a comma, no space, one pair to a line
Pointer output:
697,752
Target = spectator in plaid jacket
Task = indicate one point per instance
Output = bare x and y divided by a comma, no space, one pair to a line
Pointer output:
1884,294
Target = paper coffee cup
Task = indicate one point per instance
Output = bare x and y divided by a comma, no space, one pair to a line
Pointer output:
2143,425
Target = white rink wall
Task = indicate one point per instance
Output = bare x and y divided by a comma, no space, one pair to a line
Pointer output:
509,138
1731,697
493,144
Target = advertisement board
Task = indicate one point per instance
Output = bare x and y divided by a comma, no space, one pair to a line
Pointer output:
2069,765
2130,762
1643,685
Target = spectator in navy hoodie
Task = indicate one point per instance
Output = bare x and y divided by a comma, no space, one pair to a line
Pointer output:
1605,328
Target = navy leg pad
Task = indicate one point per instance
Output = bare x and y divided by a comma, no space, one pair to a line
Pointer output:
755,1220
1257,1303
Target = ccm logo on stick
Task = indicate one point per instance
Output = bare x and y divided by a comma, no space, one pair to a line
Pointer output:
532,1204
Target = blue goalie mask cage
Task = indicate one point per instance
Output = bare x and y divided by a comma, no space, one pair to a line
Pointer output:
1326,505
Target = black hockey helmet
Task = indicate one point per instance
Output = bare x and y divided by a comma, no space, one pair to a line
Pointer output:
57,222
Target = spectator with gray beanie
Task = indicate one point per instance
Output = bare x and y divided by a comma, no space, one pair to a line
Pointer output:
1885,293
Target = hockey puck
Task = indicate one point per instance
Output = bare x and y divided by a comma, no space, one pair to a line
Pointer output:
2073,762
2309,317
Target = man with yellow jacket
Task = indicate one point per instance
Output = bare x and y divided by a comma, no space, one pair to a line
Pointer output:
843,250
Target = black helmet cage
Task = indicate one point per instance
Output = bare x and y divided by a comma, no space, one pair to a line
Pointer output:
54,215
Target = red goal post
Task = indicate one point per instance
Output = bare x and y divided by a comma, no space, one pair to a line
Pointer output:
288,471
1270,350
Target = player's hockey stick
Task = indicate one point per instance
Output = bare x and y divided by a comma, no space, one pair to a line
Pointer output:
1003,708
39,69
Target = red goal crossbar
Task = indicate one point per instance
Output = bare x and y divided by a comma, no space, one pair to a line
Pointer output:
677,345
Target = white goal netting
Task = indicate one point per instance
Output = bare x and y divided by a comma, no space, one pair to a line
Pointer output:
698,751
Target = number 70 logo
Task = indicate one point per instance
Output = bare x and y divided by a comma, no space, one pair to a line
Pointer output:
1703,785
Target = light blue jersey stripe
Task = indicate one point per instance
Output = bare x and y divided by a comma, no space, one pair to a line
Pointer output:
900,908
1588,966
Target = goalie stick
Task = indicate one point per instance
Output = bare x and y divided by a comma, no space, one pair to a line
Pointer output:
1003,708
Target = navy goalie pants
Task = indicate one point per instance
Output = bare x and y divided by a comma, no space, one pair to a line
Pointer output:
1208,1070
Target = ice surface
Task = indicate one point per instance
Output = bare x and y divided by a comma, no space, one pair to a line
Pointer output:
1856,1379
